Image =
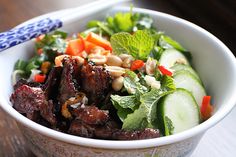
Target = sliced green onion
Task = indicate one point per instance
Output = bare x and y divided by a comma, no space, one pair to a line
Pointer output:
62,34
16,75
32,65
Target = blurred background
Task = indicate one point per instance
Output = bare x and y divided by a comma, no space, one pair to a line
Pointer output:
216,16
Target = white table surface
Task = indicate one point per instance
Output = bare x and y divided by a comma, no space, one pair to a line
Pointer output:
219,141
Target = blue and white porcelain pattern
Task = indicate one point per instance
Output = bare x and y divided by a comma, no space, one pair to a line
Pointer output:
21,34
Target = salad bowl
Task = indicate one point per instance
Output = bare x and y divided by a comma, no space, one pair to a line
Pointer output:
213,61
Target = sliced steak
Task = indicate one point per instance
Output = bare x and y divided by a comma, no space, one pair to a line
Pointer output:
30,101
95,82
68,85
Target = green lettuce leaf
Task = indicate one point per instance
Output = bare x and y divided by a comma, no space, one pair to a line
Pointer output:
138,45
169,127
167,83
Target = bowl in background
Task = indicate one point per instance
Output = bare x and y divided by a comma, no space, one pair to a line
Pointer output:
213,61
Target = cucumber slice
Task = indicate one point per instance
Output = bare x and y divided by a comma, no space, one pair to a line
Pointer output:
182,67
188,81
171,56
178,112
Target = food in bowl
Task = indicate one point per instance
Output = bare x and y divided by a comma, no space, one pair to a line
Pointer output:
120,79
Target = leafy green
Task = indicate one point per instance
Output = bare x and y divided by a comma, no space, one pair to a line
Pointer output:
157,52
129,101
53,42
132,75
167,83
169,128
145,115
134,87
30,66
124,105
20,65
132,84
138,45
121,22
92,25
142,21
136,120
86,32
103,26
62,34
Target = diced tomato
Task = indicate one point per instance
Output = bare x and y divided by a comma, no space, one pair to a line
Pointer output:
164,71
75,47
40,78
58,60
99,41
137,64
206,108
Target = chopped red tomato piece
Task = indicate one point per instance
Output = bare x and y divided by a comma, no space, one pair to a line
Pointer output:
206,108
137,64
40,78
165,71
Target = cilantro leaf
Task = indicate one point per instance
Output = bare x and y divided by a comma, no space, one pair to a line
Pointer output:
53,42
138,45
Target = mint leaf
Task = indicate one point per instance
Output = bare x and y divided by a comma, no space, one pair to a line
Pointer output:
129,101
136,120
138,45
124,105
133,87
145,115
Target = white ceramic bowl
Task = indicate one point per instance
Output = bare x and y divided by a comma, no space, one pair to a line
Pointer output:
211,58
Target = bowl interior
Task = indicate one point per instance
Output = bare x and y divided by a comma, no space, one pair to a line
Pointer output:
212,60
